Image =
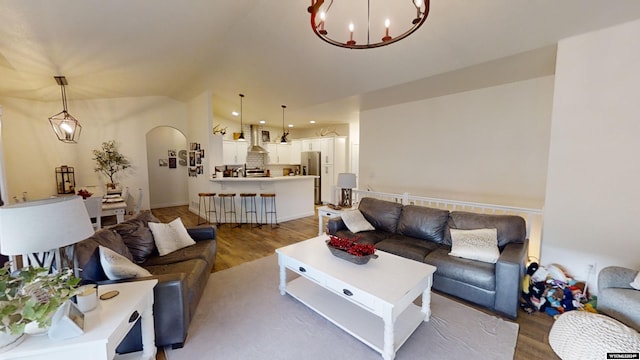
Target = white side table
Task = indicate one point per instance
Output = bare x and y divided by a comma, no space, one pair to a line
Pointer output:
104,328
325,211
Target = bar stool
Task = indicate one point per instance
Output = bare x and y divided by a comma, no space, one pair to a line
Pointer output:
248,203
232,207
269,199
209,204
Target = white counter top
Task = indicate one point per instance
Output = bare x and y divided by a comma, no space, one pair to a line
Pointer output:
264,179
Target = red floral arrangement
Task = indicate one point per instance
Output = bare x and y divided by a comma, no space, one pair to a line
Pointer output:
351,245
84,193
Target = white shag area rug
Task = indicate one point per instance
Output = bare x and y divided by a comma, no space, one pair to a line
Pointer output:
242,315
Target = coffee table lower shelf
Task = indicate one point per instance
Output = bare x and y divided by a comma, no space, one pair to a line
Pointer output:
352,318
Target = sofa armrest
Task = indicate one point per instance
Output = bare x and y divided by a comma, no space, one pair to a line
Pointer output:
616,276
510,269
202,232
170,312
334,225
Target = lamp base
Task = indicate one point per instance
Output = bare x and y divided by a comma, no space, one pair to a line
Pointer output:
345,199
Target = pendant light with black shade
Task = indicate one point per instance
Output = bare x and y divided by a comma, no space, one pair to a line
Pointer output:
241,137
285,133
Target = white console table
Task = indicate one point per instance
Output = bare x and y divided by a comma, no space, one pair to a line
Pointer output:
104,328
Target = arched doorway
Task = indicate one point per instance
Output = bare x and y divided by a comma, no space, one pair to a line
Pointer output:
167,173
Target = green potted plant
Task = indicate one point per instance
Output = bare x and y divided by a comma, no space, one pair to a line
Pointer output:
109,161
32,295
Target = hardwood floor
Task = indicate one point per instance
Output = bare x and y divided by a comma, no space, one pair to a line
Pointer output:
239,245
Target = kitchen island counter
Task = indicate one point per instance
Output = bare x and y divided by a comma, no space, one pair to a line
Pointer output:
294,194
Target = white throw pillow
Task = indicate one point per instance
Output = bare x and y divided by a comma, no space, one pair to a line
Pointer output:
355,221
636,282
170,237
478,244
118,267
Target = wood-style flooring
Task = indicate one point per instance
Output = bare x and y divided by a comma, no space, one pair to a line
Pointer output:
239,245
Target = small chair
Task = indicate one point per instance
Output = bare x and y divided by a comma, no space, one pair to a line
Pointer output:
94,209
232,207
248,203
269,210
208,202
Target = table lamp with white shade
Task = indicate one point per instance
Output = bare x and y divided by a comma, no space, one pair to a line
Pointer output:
346,182
38,229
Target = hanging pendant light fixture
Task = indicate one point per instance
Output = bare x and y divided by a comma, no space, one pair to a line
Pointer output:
283,139
66,127
241,137
320,14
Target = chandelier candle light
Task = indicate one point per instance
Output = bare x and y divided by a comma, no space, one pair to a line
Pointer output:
414,15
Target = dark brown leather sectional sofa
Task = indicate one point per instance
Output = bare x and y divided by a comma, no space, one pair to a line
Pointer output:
182,275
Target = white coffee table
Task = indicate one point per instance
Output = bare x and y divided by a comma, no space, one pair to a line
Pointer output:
372,302
104,328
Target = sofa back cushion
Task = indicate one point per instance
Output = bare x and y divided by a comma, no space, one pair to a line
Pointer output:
383,215
87,252
423,223
138,239
511,228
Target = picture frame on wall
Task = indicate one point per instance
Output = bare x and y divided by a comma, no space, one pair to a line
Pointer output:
172,153
266,137
172,163
163,162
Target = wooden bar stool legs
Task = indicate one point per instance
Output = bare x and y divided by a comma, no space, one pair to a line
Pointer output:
248,203
207,200
231,208
269,210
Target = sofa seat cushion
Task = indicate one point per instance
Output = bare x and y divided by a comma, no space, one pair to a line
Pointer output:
203,249
423,223
407,247
194,270
365,237
383,215
476,273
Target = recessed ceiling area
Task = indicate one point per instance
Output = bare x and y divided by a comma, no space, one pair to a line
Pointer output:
267,51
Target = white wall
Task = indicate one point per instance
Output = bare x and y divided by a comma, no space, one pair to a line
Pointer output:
487,145
167,186
32,151
592,195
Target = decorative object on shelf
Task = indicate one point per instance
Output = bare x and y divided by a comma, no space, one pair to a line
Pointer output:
346,182
241,136
65,180
62,221
285,133
219,130
182,157
32,296
327,132
84,193
321,20
109,161
351,250
66,127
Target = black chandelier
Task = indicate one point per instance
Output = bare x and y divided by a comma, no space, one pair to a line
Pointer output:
416,13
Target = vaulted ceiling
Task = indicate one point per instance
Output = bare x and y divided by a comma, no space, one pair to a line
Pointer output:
266,50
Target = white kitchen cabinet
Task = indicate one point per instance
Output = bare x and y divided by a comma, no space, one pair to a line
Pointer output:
327,183
279,154
296,148
234,152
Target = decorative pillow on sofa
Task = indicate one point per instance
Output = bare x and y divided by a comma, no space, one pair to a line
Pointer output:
137,237
118,267
636,282
170,237
478,244
355,221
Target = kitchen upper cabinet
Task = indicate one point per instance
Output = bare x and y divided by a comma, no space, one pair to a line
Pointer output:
234,152
279,154
296,148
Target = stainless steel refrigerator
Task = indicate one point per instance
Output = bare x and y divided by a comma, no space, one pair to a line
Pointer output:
310,161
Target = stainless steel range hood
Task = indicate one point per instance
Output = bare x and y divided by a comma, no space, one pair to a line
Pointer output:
255,147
